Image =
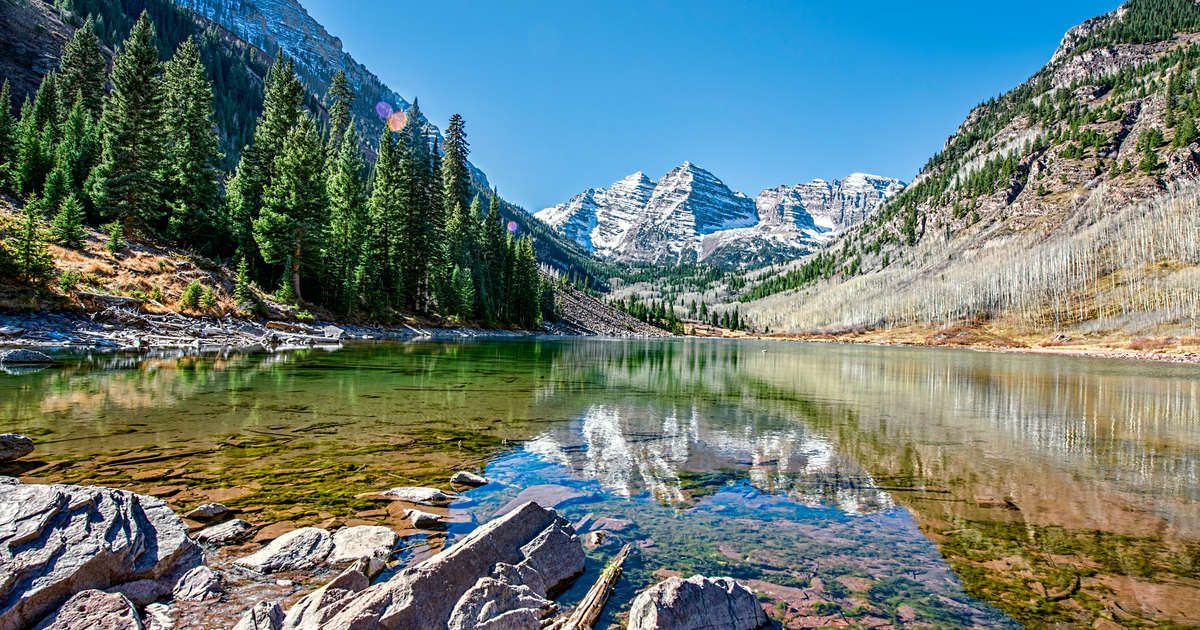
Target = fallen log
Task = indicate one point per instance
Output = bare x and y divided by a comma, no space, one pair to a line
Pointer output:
104,297
585,615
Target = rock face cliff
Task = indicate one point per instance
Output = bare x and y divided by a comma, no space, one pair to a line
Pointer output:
690,214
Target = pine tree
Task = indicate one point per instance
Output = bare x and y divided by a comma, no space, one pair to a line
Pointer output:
126,184
290,225
244,196
46,105
338,102
30,164
82,69
8,137
67,228
115,242
347,219
242,292
419,250
495,260
192,182
77,152
456,180
32,260
378,276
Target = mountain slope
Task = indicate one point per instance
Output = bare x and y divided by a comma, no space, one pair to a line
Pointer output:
689,215
1030,215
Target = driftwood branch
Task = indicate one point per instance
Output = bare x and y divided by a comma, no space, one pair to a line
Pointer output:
585,615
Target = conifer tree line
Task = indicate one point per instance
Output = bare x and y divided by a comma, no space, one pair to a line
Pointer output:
303,213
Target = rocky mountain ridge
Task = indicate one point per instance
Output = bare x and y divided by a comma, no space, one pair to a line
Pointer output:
690,215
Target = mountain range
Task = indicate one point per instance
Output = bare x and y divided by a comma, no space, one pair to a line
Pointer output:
690,215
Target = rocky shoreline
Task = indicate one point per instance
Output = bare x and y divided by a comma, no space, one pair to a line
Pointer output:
92,557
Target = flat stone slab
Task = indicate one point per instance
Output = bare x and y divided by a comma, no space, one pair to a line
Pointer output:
362,541
297,550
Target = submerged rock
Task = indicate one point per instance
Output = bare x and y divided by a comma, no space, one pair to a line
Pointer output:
24,357
697,603
197,585
529,543
226,533
419,495
14,445
296,550
207,512
548,495
362,541
59,540
468,478
94,610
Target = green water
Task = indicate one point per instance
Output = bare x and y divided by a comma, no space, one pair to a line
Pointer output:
848,485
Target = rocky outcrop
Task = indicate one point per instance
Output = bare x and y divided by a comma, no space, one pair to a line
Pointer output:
690,214
59,540
297,550
13,445
94,610
697,603
511,563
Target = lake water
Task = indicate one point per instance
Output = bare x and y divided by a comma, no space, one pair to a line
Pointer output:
848,485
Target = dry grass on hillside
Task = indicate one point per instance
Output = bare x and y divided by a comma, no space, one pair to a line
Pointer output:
1135,271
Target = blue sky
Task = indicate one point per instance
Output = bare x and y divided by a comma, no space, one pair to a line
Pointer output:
560,96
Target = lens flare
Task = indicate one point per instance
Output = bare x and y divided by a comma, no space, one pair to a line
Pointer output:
396,121
512,227
383,109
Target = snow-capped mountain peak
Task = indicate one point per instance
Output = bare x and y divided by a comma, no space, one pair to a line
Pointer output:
690,214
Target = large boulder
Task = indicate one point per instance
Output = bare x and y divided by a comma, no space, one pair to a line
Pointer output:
94,610
697,603
362,541
531,544
497,605
24,357
13,445
297,550
59,540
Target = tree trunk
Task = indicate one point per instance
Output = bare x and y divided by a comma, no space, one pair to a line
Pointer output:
296,271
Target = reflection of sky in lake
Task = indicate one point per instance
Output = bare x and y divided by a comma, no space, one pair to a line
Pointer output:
766,502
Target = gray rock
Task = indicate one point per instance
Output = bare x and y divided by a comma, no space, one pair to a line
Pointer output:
24,357
226,533
13,445
263,616
94,610
158,617
314,609
495,605
467,478
207,512
296,550
362,541
424,520
419,495
427,594
333,332
697,603
59,540
197,585
611,524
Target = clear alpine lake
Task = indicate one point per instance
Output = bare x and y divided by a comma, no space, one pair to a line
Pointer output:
951,487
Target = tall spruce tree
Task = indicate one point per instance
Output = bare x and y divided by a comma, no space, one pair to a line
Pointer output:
81,71
8,137
32,261
192,182
79,148
455,177
378,275
126,184
290,227
347,220
419,251
46,106
338,101
495,259
30,164
244,195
